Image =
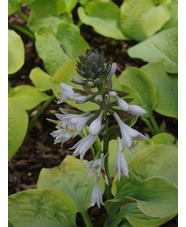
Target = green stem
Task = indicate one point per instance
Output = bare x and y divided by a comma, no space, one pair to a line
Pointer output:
86,219
22,15
22,29
39,112
154,123
105,149
149,125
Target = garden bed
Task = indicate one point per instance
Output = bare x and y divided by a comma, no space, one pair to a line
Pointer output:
38,150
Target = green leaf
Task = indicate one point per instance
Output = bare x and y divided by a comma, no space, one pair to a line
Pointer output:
41,79
141,19
156,160
105,22
16,52
66,72
163,138
167,89
28,96
57,49
132,216
71,178
13,6
162,47
155,196
50,13
17,125
173,22
41,208
70,5
142,84
136,218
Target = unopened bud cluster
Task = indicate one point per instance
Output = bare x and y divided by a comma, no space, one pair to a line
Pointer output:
95,77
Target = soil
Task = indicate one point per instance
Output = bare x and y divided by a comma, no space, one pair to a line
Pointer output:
38,150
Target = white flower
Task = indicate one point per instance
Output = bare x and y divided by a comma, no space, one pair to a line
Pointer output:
75,120
95,166
121,165
122,104
62,134
83,145
128,134
137,110
96,194
81,98
95,126
67,93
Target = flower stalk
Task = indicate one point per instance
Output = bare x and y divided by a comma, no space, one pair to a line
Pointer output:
98,75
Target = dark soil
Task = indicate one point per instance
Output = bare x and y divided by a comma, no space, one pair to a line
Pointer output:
38,150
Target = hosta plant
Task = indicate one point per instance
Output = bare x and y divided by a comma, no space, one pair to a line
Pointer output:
138,174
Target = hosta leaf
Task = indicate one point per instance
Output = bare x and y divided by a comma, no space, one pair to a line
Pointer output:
141,19
28,96
167,89
17,125
142,84
137,218
66,72
105,22
50,13
162,47
173,22
57,49
163,138
70,4
156,160
71,178
13,6
16,52
155,196
41,79
132,216
41,208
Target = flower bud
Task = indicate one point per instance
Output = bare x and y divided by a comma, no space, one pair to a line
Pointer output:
98,98
78,80
113,94
82,99
97,81
90,84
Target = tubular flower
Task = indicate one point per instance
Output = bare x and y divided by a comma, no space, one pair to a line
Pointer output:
95,166
121,165
67,93
137,110
96,194
95,126
128,134
62,134
83,145
75,120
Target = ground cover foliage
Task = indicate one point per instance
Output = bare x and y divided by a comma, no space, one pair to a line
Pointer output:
60,31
